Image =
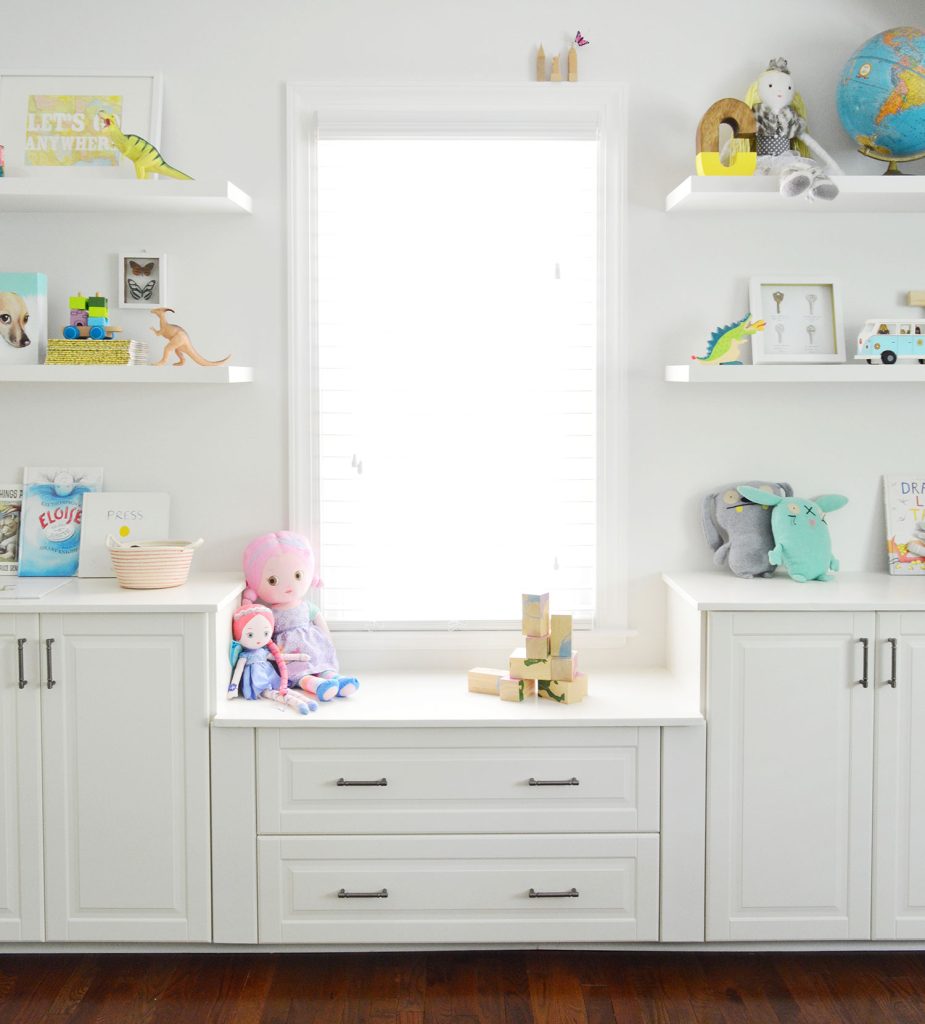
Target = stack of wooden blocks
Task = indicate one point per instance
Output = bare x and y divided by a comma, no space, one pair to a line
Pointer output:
547,664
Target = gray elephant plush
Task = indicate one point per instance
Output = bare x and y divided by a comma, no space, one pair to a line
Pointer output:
739,530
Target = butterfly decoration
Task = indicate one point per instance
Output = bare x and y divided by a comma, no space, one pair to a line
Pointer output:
580,39
141,294
141,269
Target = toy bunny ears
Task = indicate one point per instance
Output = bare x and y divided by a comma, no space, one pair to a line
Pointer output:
827,502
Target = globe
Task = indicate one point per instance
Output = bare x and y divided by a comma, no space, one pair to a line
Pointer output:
881,95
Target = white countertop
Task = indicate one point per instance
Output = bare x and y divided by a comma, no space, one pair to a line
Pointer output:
202,592
851,591
441,698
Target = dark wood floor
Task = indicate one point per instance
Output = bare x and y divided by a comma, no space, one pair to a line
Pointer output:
544,987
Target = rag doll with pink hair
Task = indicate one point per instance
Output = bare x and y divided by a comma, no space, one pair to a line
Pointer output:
253,675
279,569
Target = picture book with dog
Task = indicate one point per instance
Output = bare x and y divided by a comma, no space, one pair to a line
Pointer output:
10,509
52,510
23,318
905,523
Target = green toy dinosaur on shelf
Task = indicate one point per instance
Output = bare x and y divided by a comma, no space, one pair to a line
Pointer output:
142,153
725,342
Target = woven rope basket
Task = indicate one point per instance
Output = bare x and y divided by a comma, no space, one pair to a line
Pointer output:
152,565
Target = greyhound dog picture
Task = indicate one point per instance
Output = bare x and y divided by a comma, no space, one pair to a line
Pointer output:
23,318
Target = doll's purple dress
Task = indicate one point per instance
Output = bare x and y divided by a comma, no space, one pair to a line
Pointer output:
259,673
296,631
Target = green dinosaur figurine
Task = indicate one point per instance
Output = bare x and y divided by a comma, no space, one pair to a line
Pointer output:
724,343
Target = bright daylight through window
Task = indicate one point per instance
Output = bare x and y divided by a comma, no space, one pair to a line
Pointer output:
456,367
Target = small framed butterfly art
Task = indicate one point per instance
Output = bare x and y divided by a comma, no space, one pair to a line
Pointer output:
142,281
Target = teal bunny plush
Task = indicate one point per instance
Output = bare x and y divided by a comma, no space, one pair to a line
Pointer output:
801,536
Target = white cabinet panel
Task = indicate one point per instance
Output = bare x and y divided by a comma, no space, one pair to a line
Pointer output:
476,786
899,822
125,744
458,888
21,904
790,776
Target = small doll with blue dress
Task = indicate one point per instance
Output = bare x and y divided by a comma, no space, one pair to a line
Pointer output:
280,570
253,674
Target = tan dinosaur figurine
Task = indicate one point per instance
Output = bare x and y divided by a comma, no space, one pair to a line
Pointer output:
178,342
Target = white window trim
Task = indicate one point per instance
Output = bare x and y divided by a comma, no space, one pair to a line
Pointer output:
306,103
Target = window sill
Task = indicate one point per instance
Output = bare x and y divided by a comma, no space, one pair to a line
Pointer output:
466,640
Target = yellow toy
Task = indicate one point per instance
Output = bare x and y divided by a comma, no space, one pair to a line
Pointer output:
143,155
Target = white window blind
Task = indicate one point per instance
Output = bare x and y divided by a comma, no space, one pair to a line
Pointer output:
457,348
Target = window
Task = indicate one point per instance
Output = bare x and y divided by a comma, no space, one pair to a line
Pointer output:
453,287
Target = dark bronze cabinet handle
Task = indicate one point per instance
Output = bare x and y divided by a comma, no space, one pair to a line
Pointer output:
535,895
23,682
892,680
51,673
380,894
865,644
362,782
554,782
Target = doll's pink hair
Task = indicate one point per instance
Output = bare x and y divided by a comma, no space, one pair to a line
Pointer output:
239,622
269,545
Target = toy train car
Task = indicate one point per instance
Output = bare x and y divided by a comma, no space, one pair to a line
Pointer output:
96,332
89,318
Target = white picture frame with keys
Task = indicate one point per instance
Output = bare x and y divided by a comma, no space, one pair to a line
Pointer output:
803,319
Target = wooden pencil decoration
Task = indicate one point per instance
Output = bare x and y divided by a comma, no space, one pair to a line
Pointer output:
572,64
555,75
541,64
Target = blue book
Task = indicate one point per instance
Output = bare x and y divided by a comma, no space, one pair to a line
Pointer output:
52,510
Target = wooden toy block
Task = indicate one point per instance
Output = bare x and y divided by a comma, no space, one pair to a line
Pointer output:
555,75
517,689
564,691
564,668
486,680
97,321
535,615
523,667
537,646
78,317
77,302
541,64
96,300
572,64
916,299
560,636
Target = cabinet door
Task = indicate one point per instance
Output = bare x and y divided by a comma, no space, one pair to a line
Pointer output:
126,776
20,783
899,806
790,764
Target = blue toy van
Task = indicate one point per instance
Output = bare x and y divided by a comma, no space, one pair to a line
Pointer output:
889,340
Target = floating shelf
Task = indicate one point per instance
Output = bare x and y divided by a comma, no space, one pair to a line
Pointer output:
803,373
126,374
858,194
120,195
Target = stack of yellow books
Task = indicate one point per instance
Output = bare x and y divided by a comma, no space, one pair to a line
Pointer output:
84,352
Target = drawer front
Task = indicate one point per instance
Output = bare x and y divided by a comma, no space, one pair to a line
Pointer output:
611,785
458,888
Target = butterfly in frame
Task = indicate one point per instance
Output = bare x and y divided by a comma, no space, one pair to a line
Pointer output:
141,269
139,293
580,39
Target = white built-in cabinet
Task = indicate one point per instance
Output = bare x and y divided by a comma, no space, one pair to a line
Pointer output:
104,772
815,704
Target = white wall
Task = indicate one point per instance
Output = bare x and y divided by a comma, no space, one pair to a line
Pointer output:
221,451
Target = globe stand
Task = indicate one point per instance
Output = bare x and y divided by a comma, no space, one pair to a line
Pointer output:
890,161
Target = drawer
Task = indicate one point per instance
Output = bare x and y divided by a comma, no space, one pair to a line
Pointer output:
491,781
458,888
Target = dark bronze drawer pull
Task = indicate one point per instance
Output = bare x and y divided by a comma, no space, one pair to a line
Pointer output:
23,682
362,782
554,782
51,675
892,680
865,644
382,894
534,895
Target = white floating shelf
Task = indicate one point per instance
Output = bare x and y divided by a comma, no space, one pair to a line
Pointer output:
803,373
858,194
120,195
126,374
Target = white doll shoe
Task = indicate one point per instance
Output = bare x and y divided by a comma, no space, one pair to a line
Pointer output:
795,182
822,186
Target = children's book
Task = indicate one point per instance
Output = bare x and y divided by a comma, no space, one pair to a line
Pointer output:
10,510
127,517
52,508
905,523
